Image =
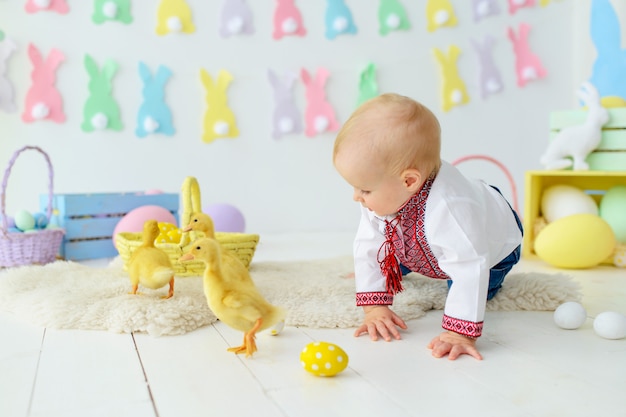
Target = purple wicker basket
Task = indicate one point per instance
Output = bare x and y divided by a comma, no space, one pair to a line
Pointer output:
40,247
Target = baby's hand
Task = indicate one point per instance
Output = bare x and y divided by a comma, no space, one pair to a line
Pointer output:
453,345
380,320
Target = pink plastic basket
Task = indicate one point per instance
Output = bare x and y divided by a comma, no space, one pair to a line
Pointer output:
40,247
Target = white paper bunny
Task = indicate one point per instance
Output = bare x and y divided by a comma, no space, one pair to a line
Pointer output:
7,92
573,143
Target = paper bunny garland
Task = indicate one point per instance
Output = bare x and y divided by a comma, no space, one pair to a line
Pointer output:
235,19
7,91
527,65
453,90
34,6
287,20
154,115
219,119
338,19
319,114
609,67
43,100
100,111
286,116
392,16
111,10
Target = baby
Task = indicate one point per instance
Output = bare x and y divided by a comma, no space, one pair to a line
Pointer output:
421,214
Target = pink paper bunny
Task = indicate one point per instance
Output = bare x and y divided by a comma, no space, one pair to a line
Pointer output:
319,114
7,92
33,6
43,100
515,5
287,20
527,65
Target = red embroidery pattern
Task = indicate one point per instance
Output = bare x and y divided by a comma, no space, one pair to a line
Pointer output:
413,251
388,260
466,328
373,298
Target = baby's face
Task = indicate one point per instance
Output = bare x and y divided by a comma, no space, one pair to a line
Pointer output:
375,188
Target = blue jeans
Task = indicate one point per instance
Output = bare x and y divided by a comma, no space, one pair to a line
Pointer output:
498,272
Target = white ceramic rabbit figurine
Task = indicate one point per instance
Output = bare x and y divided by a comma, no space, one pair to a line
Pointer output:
572,144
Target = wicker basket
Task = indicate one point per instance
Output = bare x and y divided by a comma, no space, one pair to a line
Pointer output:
242,244
40,247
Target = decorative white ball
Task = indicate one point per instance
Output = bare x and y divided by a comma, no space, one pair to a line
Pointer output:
570,315
40,111
150,125
221,128
109,9
610,325
393,21
235,24
100,121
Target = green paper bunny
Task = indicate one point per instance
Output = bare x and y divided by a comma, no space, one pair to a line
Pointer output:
101,110
105,10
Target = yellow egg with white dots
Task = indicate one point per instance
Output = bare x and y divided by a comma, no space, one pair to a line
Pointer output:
323,359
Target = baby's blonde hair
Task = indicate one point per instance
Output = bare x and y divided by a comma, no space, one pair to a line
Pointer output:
397,130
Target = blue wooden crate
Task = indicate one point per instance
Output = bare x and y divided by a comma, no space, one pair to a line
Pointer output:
89,219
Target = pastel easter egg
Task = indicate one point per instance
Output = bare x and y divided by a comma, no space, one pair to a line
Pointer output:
133,221
226,218
613,211
277,328
24,220
610,325
10,221
323,358
174,235
559,201
41,220
577,241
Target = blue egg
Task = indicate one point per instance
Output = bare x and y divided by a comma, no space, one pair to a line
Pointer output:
14,230
41,220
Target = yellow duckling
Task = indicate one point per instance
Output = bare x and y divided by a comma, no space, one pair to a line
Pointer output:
201,222
235,300
150,266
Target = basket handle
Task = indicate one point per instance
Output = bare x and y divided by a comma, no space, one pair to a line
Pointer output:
192,203
5,181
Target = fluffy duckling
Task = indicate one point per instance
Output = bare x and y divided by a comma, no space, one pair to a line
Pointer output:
234,301
149,265
201,222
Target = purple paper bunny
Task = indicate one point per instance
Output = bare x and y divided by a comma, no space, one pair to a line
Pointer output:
236,18
286,118
490,80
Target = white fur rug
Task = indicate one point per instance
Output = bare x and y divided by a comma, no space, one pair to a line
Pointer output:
319,293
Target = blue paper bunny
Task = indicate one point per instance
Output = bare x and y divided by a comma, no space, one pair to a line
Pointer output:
338,19
609,68
154,115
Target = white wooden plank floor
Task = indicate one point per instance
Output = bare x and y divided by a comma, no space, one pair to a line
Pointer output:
531,367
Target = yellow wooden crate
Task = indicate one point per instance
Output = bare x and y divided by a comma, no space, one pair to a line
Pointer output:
593,182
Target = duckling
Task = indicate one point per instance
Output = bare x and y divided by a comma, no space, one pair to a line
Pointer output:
149,265
234,300
201,222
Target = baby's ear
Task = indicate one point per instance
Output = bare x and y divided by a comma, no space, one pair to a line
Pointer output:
412,179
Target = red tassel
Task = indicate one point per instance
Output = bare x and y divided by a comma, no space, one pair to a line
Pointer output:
389,265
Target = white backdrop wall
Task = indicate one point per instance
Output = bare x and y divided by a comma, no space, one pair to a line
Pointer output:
287,184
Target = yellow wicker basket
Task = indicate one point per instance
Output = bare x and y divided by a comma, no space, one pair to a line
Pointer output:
241,244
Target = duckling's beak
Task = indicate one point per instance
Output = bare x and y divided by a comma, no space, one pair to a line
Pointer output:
187,229
186,257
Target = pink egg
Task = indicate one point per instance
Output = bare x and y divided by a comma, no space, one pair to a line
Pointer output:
133,221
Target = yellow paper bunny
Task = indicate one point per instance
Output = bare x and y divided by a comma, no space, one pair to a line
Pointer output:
219,120
174,16
453,90
440,13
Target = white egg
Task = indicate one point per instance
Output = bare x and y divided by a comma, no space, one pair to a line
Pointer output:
277,328
560,201
610,325
570,315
